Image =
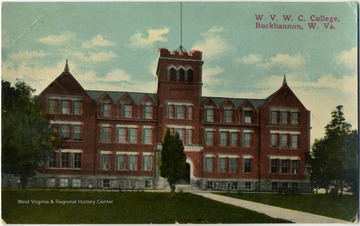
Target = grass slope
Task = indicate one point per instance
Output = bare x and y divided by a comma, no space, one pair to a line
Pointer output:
125,208
341,207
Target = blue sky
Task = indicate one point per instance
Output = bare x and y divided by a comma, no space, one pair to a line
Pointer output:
114,46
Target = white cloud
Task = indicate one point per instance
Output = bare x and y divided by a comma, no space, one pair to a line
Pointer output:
153,35
210,72
285,60
251,59
99,41
57,39
348,58
26,55
117,75
212,44
94,57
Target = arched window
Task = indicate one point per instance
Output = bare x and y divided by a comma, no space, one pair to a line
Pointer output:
181,74
172,74
190,75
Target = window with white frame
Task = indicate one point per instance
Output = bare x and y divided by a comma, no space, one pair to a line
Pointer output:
132,162
209,115
64,182
248,185
273,117
294,118
127,110
284,117
147,135
180,111
247,116
221,165
283,163
105,134
208,164
120,162
76,183
247,139
274,140
189,136
64,162
148,111
189,112
105,110
76,160
170,111
121,135
284,140
223,138
65,132
106,183
52,106
294,141
274,165
295,166
146,162
77,107
209,138
105,161
76,132
232,165
132,135
234,139
228,115
247,165
50,182
65,107
234,185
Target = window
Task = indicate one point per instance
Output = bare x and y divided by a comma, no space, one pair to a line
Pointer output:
180,112
76,160
64,182
133,135
248,185
65,107
106,183
274,186
181,74
65,132
283,163
274,165
76,183
284,117
148,111
146,162
189,112
295,166
294,141
209,115
233,139
121,135
274,117
147,136
148,184
77,109
208,164
228,115
105,134
128,111
223,138
64,160
170,111
189,136
133,183
283,141
247,117
172,74
120,162
52,160
234,185
232,165
104,161
190,75
294,118
52,106
284,185
181,134
247,165
132,162
221,165
50,182
209,185
76,132
247,140
105,110
274,140
209,138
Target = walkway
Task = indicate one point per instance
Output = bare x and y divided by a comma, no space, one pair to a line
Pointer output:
272,211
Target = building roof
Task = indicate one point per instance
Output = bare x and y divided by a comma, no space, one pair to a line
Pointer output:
117,95
236,101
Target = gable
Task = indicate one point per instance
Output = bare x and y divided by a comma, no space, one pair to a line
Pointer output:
284,97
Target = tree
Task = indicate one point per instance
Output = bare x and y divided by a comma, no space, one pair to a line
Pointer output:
334,158
173,159
27,136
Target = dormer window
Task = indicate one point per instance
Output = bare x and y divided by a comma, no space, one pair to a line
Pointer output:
127,110
209,115
228,115
105,110
247,116
148,111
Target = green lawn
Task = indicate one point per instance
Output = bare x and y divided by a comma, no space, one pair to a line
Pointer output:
122,208
341,207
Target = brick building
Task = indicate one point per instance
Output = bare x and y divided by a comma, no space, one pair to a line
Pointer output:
112,139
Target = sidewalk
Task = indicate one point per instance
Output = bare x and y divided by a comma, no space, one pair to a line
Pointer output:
272,211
